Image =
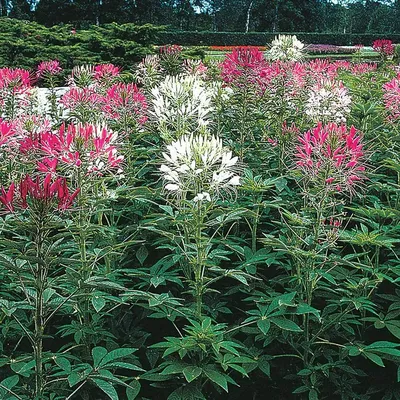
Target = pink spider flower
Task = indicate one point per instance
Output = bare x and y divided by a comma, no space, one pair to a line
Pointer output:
104,156
171,50
331,157
48,68
105,72
242,61
363,68
80,97
16,79
125,100
47,191
384,47
7,132
391,98
7,197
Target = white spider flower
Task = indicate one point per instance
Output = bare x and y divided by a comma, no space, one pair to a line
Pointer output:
149,70
286,48
200,167
181,104
328,101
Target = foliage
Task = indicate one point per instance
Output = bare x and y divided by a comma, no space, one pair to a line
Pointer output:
25,44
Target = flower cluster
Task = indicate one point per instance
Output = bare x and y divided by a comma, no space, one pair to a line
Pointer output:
246,62
125,101
93,147
328,101
43,192
181,104
48,68
384,47
286,48
391,98
199,168
331,157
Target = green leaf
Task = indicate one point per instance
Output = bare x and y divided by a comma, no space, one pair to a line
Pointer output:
142,254
63,363
98,303
217,378
8,383
107,388
286,324
98,354
74,378
394,329
263,325
312,395
374,358
264,365
115,354
191,373
133,390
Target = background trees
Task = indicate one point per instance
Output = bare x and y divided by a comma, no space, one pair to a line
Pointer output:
345,16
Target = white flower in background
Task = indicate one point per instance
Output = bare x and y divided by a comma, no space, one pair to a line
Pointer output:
181,104
81,76
199,168
194,67
149,70
328,101
286,48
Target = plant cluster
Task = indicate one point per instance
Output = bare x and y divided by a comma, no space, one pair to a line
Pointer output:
200,230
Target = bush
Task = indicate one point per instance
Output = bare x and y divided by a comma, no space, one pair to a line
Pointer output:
25,44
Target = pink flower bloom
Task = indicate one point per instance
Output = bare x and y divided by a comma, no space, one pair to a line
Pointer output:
48,68
104,72
7,131
242,61
7,198
171,50
384,47
331,156
80,97
47,191
16,79
391,98
124,100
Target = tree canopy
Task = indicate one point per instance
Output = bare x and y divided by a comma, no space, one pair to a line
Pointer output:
346,16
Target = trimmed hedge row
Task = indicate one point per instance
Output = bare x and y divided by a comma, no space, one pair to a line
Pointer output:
189,38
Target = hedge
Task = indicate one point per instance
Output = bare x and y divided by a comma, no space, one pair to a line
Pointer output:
189,38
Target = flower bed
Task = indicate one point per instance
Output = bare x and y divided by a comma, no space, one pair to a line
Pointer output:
190,230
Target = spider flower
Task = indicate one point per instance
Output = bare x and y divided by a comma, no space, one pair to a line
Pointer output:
48,68
181,104
384,47
331,157
391,98
286,48
328,101
199,168
124,101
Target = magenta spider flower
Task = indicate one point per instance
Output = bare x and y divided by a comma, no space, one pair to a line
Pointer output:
331,157
47,191
7,197
106,72
384,47
124,100
48,68
171,50
391,98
